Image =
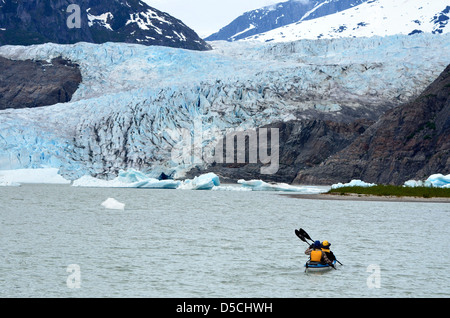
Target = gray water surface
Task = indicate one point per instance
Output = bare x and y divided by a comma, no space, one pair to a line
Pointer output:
181,243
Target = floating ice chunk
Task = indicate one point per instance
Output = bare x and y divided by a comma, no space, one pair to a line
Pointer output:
137,179
439,180
435,180
259,185
353,183
160,184
203,182
127,179
91,182
113,204
417,183
413,183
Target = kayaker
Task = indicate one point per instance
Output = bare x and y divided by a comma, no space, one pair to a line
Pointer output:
316,255
326,249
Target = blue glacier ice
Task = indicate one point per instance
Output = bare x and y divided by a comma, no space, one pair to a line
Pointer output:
203,182
135,101
437,180
136,179
127,179
259,185
353,183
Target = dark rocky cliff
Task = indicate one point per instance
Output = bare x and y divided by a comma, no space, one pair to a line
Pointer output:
27,84
303,144
411,141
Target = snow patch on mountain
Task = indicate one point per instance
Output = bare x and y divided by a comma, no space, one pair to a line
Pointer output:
277,15
372,18
102,20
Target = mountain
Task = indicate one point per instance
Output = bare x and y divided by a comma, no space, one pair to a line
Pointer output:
135,103
411,141
100,21
371,18
278,15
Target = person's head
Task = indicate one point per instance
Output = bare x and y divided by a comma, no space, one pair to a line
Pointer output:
326,244
317,244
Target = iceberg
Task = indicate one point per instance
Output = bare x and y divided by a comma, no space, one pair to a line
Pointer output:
127,179
113,204
417,183
353,183
203,182
439,180
136,179
436,180
259,185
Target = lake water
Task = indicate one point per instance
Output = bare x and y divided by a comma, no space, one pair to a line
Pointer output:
58,241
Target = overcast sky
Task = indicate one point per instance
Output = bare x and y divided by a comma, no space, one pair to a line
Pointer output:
208,16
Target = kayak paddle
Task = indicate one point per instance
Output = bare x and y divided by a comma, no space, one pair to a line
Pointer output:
300,236
303,236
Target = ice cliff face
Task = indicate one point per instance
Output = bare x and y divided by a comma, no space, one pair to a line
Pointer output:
135,101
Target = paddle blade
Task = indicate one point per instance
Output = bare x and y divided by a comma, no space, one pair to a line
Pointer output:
304,234
300,236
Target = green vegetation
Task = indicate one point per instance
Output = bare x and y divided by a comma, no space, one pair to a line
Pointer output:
397,191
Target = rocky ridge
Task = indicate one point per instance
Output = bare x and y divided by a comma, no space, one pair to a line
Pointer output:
100,21
411,141
29,84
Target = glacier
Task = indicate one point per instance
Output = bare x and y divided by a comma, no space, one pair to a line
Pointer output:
135,101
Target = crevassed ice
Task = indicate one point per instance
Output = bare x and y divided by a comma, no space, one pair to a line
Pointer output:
135,100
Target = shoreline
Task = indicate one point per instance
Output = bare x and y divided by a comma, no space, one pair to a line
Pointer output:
366,197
